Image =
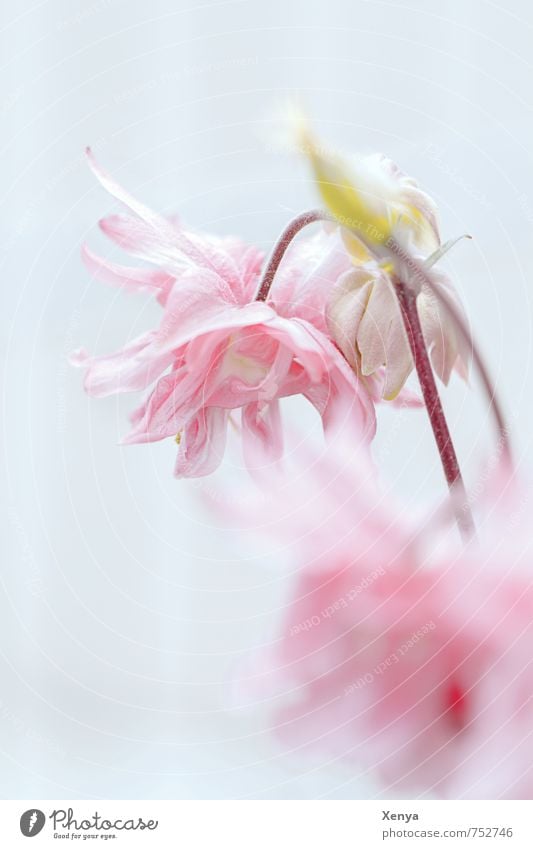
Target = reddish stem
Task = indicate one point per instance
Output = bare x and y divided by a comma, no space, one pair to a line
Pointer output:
421,276
283,243
407,299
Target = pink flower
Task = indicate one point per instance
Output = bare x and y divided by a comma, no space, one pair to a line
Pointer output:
216,349
409,659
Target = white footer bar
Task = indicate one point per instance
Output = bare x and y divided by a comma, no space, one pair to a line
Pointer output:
267,824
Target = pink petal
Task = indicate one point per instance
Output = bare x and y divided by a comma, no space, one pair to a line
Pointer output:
202,444
198,305
339,395
156,238
116,190
306,343
262,436
158,417
307,276
176,398
142,240
127,370
133,279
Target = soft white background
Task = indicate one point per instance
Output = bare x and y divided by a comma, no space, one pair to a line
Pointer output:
124,611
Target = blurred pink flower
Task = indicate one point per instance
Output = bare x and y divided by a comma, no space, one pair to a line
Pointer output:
409,658
216,349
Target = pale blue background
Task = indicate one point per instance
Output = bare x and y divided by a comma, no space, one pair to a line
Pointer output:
123,610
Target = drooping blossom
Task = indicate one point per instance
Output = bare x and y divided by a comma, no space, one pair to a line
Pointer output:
370,195
401,651
365,321
216,349
388,222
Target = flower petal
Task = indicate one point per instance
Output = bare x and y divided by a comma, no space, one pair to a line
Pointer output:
348,302
202,444
382,340
131,279
159,239
199,306
262,437
127,370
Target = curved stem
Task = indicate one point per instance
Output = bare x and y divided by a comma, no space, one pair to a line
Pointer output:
419,273
283,243
407,299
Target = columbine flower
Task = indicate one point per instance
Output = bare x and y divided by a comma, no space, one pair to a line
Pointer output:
409,659
365,321
389,223
216,348
370,195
